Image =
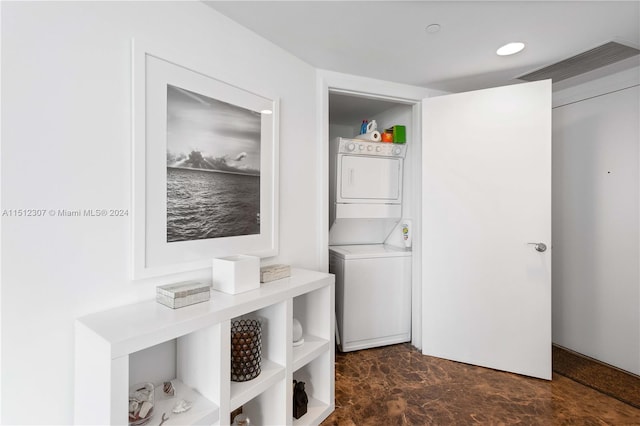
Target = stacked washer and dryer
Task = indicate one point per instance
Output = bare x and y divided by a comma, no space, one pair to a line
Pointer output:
373,280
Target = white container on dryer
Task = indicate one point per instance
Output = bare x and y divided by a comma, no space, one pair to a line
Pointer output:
373,295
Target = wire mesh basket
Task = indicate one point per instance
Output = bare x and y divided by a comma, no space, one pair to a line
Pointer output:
246,349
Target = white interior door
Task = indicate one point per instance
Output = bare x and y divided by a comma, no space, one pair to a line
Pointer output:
486,195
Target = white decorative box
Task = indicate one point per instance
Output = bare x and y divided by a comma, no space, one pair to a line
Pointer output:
236,274
183,294
274,272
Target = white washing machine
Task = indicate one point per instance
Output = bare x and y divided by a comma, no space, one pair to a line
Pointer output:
373,295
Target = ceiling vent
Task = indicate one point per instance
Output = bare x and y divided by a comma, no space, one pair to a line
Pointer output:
581,63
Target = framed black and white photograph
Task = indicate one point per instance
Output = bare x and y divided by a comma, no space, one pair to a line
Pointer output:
204,167
213,167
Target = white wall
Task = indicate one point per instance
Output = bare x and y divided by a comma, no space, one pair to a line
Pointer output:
596,247
342,131
66,144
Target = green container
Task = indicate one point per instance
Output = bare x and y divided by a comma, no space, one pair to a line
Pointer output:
399,134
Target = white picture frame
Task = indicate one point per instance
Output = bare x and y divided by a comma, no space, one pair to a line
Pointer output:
153,72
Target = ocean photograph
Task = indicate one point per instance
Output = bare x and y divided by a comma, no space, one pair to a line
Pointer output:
213,168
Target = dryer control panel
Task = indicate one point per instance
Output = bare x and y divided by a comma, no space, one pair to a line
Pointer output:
378,149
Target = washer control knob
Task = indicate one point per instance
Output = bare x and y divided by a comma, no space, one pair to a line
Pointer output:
397,151
360,147
378,149
369,148
351,146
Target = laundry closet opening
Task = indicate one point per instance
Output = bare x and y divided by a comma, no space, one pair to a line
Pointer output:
371,187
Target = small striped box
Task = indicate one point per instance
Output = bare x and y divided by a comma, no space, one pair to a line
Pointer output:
274,272
182,294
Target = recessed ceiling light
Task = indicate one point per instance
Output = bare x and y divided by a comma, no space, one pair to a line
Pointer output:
432,29
510,48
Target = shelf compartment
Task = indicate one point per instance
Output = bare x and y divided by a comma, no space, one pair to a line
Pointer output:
317,411
309,309
268,407
202,412
309,350
274,337
318,376
242,392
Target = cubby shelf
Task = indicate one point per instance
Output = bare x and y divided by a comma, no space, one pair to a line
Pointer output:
241,392
311,348
202,411
316,412
312,371
199,336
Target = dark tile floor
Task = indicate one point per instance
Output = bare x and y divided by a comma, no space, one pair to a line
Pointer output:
397,385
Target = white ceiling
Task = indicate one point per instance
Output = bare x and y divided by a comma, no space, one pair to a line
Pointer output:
387,39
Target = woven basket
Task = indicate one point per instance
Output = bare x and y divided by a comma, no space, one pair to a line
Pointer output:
246,349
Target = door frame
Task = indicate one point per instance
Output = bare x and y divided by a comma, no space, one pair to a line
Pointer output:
334,82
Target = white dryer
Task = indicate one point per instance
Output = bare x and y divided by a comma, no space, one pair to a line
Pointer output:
373,295
365,190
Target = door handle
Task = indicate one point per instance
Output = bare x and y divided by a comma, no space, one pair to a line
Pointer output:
541,247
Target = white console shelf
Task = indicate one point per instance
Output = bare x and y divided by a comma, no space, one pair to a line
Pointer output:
107,341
